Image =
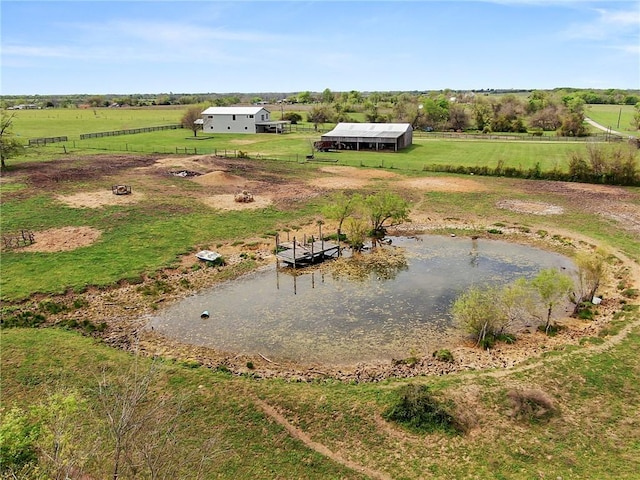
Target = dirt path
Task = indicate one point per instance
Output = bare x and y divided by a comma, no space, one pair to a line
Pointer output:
318,447
595,124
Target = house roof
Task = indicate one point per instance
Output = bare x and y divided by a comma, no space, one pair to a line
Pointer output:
233,110
370,130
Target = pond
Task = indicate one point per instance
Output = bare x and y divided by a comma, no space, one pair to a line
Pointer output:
321,317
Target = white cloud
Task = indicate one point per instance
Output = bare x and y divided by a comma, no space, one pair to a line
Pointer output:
608,25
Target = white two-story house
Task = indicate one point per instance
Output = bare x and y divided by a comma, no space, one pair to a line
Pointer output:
240,120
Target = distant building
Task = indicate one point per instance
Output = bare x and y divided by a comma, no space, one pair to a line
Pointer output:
369,136
240,120
22,106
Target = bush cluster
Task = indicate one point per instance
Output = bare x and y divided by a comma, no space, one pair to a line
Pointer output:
600,166
417,409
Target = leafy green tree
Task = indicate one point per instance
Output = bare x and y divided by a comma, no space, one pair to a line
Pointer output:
319,115
592,267
635,122
482,113
355,97
356,229
10,146
436,112
189,119
327,96
513,302
573,125
340,207
293,117
385,207
477,312
304,97
552,288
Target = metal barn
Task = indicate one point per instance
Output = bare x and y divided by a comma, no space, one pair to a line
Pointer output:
369,136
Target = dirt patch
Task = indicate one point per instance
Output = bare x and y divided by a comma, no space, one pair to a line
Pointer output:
536,208
443,184
336,183
349,178
592,188
242,142
62,239
98,199
354,172
611,202
219,178
227,202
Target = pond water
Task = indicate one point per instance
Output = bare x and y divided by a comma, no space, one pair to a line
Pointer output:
317,316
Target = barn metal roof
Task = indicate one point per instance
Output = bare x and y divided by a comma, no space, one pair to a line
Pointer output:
233,110
369,130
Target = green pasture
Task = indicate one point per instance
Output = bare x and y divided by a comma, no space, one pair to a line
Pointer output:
72,122
291,147
592,434
616,117
135,240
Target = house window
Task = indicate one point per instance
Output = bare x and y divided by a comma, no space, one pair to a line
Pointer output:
245,128
228,128
250,116
210,116
234,117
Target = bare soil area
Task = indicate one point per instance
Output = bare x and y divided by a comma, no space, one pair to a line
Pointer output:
99,199
62,239
611,202
536,208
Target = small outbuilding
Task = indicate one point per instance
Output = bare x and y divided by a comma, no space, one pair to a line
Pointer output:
240,120
368,136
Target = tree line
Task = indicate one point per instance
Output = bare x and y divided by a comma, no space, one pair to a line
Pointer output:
541,111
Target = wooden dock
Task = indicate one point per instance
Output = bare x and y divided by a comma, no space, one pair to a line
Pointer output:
300,254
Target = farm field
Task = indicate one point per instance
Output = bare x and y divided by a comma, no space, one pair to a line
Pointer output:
616,117
101,263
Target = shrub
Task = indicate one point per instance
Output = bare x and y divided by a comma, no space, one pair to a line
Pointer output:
417,409
443,355
293,117
531,404
53,307
18,447
22,319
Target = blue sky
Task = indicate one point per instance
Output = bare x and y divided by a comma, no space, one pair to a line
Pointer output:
102,47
